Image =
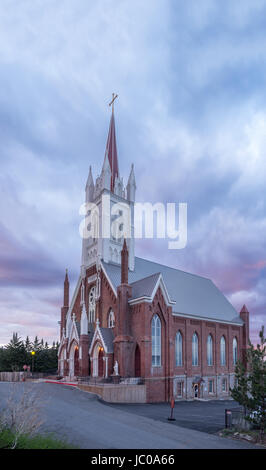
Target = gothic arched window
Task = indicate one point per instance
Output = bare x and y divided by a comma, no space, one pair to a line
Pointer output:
178,349
156,340
111,319
92,305
195,350
209,351
222,351
234,351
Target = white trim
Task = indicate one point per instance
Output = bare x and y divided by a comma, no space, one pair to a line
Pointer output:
108,279
74,298
97,336
73,335
149,299
91,278
61,347
205,318
160,282
140,300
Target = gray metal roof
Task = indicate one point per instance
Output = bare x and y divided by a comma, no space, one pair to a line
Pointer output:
108,337
194,295
144,287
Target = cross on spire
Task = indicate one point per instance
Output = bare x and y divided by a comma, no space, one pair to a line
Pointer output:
114,96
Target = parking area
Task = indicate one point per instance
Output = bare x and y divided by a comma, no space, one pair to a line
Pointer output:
82,420
205,416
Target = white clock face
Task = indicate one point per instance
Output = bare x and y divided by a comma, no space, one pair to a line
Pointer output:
92,296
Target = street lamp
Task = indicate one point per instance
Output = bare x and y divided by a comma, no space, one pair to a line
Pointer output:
32,355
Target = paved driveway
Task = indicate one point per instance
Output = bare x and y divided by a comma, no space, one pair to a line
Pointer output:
206,416
81,419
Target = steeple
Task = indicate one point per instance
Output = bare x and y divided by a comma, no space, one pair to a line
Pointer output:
108,193
111,151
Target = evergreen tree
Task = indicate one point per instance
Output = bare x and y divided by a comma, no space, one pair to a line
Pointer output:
250,389
28,345
18,353
15,354
37,344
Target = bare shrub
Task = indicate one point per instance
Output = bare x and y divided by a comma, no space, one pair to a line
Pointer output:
22,414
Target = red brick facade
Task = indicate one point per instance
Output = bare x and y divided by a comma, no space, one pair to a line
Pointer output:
132,345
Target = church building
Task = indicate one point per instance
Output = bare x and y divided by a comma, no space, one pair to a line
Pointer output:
135,321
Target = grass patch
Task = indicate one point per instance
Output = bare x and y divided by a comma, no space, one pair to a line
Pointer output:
38,441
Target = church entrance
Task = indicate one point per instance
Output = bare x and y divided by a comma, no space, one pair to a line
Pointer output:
76,361
97,361
100,363
137,361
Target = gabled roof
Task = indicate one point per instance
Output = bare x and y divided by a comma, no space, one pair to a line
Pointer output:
194,295
146,288
74,333
106,337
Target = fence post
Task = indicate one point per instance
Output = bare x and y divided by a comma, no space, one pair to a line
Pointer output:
228,418
225,418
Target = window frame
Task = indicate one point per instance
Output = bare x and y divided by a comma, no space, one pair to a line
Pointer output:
209,350
111,319
235,351
195,350
179,349
156,341
211,382
223,351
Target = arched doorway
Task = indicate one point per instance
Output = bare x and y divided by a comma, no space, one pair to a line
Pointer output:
97,361
137,361
100,362
76,361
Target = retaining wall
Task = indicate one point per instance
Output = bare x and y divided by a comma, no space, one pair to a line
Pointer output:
118,393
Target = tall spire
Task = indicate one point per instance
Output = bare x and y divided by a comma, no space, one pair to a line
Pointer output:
111,150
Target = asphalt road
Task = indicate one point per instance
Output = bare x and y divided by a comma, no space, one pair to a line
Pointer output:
82,420
205,416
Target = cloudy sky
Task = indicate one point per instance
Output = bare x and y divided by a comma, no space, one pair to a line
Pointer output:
191,115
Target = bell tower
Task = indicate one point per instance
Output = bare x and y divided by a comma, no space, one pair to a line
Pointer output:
109,209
